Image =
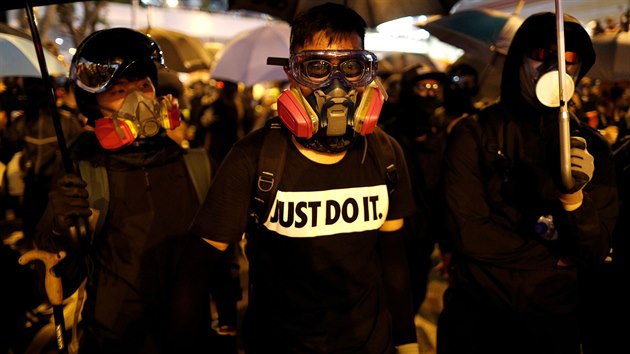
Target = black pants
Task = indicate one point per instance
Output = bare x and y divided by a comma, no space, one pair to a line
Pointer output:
466,326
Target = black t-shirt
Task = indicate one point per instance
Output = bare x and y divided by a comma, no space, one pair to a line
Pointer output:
314,269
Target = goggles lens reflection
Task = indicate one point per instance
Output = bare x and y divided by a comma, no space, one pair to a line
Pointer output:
94,77
316,69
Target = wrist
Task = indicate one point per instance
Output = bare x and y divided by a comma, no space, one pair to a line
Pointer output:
571,201
409,348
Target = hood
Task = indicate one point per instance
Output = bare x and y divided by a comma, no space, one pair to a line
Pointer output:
539,30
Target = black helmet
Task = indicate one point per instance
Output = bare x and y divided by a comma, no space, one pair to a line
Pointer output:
107,55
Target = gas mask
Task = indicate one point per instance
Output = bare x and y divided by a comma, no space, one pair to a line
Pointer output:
540,85
138,118
329,119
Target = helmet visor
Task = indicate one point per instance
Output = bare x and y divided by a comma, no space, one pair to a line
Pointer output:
95,77
318,68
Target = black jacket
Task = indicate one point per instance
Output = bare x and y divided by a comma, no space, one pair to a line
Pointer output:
502,173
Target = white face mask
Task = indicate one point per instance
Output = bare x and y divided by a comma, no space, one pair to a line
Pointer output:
540,85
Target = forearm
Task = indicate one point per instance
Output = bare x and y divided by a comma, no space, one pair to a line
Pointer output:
397,285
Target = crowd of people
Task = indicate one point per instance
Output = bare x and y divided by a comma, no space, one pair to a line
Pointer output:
358,193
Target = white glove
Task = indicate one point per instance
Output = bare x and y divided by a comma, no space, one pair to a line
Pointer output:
582,168
409,348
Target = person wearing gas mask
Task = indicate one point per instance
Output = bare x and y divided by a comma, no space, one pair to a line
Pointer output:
122,216
522,239
320,281
413,126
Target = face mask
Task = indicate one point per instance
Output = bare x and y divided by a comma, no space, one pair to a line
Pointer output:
540,85
329,120
139,117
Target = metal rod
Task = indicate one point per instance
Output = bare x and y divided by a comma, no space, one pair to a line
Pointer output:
563,118
39,50
68,166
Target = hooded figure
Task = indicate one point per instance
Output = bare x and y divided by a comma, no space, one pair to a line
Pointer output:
519,236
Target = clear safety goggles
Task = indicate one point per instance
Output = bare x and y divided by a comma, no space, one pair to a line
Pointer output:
318,68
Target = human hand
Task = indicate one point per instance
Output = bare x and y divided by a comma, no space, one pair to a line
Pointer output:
443,266
582,168
70,205
409,348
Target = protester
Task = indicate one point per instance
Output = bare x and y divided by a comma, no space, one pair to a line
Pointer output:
144,190
319,286
521,237
421,94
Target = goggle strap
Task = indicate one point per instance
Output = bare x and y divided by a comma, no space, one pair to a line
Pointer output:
278,61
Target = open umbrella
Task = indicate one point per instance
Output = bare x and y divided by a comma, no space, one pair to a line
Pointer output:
182,53
18,58
244,58
483,33
374,12
612,52
398,63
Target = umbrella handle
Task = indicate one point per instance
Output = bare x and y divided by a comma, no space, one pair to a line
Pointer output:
563,119
54,290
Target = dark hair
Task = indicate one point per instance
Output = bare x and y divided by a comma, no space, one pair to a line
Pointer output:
338,21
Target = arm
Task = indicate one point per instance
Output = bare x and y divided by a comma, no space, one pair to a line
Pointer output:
397,283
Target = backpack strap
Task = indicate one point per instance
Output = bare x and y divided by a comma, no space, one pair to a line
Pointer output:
98,191
198,166
381,149
270,167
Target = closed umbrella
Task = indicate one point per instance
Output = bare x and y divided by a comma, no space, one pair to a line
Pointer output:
18,58
182,53
244,58
612,52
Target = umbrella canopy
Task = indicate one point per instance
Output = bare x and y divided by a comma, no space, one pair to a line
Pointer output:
19,4
612,52
398,63
182,52
4,28
482,33
18,58
244,58
374,12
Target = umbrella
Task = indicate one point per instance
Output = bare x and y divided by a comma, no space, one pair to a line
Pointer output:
482,33
398,63
19,4
182,53
612,52
244,58
374,12
18,58
4,28
392,67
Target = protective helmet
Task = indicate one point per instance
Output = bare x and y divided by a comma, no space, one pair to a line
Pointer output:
104,57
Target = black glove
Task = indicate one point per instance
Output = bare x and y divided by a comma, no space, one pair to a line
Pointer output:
70,205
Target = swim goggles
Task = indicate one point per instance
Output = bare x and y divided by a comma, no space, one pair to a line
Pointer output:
318,68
